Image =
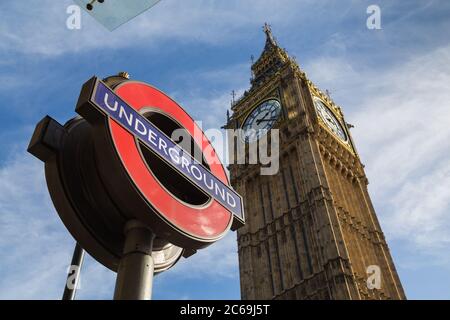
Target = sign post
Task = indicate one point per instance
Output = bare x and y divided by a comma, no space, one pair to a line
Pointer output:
135,274
73,276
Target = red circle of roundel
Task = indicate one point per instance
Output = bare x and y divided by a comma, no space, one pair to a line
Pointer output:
208,222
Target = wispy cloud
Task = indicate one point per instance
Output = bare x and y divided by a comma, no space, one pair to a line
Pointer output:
216,262
34,247
40,28
402,133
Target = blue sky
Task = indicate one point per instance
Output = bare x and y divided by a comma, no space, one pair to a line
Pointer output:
393,85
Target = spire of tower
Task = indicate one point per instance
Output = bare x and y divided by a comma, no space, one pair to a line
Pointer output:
270,39
271,59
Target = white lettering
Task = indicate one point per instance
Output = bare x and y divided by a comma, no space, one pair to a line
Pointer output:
206,183
185,163
122,114
174,155
220,191
232,203
152,137
116,104
143,127
199,177
162,145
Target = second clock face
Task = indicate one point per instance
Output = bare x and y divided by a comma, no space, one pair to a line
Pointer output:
330,120
261,120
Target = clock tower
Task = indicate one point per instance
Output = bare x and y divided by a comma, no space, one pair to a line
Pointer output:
311,230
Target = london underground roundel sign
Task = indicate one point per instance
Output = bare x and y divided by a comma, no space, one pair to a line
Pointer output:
189,200
118,162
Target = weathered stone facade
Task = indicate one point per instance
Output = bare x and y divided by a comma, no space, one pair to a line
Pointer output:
311,230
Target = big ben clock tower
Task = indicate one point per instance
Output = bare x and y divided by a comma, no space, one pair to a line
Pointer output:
311,231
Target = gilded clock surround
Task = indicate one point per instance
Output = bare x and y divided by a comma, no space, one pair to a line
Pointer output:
311,229
259,103
256,105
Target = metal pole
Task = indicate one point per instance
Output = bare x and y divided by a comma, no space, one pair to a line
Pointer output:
73,277
135,274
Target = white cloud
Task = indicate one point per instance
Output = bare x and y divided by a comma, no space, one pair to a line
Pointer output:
40,28
35,249
403,135
96,281
209,107
217,261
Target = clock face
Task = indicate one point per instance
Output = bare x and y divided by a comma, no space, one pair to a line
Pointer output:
261,120
329,119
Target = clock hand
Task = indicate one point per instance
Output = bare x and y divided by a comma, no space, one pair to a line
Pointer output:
265,120
258,121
